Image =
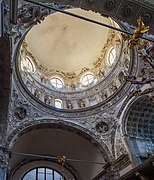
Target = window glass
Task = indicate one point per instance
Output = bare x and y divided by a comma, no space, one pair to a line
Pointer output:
42,174
57,176
27,65
30,175
56,82
58,103
111,56
49,174
87,79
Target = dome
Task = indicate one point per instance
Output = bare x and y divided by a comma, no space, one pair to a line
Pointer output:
68,44
67,59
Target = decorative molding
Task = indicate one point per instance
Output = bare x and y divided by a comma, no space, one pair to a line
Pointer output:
122,162
55,123
30,15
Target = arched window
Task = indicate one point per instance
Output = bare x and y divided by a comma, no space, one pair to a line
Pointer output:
111,56
42,174
27,65
87,79
57,82
58,103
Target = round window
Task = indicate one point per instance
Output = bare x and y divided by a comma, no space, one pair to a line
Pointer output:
56,82
87,79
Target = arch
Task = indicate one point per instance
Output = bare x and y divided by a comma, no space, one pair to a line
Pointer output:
137,128
55,124
92,150
27,165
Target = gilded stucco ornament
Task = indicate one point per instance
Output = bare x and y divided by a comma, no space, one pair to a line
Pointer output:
138,32
72,80
96,95
98,64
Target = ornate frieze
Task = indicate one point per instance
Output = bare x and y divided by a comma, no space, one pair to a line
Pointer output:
122,162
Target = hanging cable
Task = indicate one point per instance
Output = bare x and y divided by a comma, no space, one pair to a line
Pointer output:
56,158
85,18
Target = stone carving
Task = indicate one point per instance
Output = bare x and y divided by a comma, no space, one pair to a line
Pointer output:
128,10
16,34
147,17
113,87
37,93
72,86
110,4
81,103
122,162
120,148
103,120
28,16
20,113
49,122
31,15
121,77
47,99
119,145
69,104
102,127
